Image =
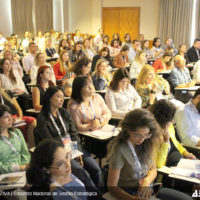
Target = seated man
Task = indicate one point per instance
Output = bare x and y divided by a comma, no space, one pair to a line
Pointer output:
180,78
188,121
193,53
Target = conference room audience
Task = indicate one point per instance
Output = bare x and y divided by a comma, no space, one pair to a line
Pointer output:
146,49
62,66
114,48
16,67
193,53
156,49
180,78
164,63
101,77
187,120
150,86
182,51
121,97
121,59
137,64
171,150
55,122
43,82
88,50
14,154
28,60
53,174
104,53
76,53
132,167
87,108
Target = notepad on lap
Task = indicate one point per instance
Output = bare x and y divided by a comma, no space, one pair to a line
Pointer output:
10,180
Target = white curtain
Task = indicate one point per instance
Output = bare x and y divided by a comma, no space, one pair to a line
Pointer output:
176,21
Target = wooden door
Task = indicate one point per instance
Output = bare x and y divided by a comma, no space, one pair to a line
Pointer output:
122,21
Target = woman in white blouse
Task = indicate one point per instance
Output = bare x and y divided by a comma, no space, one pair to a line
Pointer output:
9,80
121,97
196,72
156,49
38,62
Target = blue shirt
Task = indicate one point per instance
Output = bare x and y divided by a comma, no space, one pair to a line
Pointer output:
188,124
70,191
180,76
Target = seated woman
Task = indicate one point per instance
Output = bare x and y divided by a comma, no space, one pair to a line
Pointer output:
164,63
55,122
196,72
87,108
8,80
132,168
121,59
101,77
40,61
170,151
63,45
80,67
55,174
121,97
14,155
50,51
15,63
88,50
182,51
44,81
127,40
115,48
156,49
7,98
150,86
104,42
104,53
137,64
145,47
116,37
76,53
62,66
78,37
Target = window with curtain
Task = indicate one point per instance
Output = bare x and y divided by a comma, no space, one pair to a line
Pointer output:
176,20
22,16
44,15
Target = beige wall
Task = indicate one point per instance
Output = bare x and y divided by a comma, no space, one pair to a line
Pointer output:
149,12
6,18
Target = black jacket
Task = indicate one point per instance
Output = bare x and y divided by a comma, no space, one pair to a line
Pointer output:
192,54
46,129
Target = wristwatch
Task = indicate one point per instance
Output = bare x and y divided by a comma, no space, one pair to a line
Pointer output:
152,92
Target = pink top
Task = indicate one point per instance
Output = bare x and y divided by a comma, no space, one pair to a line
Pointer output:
82,115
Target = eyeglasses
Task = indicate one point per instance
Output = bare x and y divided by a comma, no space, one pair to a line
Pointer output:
142,137
62,163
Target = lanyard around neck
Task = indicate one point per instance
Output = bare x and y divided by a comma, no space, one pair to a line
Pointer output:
5,139
56,126
92,107
139,166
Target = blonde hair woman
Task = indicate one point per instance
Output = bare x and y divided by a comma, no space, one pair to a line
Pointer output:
138,63
101,78
149,85
62,66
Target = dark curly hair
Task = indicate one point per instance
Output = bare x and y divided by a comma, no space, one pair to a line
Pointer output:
163,111
42,157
